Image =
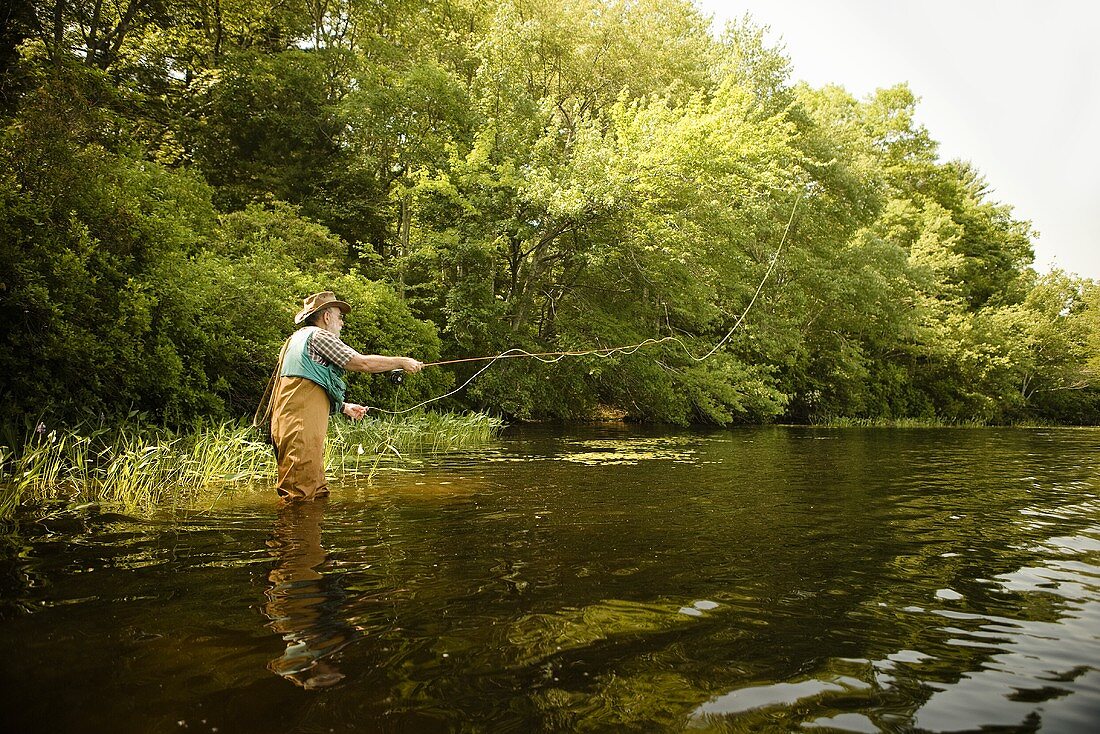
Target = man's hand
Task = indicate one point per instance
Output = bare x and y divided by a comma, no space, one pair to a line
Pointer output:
354,411
411,365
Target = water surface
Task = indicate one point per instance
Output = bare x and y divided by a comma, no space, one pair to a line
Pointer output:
597,579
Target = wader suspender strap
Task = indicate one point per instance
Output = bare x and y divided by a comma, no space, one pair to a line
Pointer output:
266,401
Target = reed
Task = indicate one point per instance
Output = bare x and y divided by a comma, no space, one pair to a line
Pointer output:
355,447
362,447
139,470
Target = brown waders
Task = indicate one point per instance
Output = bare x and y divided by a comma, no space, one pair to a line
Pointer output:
299,424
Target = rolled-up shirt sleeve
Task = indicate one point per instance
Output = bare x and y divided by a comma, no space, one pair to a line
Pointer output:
327,347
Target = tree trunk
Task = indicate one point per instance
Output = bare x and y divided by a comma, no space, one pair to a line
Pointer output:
93,34
403,227
120,32
58,25
217,30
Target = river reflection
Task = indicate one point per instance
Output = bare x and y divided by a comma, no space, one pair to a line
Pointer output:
304,604
596,579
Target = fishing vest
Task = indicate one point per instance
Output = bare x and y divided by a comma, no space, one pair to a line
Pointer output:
296,363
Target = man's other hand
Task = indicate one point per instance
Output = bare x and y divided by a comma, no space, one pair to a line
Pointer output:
354,411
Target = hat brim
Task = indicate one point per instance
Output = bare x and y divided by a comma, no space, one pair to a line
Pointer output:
303,315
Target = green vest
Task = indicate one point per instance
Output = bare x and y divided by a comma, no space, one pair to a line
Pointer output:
296,363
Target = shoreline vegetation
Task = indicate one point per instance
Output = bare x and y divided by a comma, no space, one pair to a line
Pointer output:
139,469
848,422
478,177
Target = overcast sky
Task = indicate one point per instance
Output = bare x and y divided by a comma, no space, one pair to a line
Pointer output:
1012,86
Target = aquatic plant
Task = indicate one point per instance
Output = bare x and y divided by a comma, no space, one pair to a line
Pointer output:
139,469
373,439
48,462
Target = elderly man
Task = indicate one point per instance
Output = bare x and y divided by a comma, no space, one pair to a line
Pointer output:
310,386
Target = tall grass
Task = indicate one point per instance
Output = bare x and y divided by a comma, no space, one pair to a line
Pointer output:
355,448
141,469
419,432
134,469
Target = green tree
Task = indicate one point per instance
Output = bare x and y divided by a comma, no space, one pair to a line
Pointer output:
480,176
1043,343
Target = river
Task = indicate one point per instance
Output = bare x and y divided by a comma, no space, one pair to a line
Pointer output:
605,578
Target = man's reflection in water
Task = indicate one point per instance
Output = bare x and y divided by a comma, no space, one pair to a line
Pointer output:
302,603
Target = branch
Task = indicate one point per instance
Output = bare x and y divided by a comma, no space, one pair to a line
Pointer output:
1075,386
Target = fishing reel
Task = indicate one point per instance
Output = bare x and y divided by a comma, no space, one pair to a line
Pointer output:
396,376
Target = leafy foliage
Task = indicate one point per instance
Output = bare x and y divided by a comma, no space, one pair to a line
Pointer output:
480,176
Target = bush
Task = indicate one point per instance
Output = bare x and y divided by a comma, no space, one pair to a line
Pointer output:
124,292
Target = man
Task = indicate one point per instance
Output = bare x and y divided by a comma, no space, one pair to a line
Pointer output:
310,386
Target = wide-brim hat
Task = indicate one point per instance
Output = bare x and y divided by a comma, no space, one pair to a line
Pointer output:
313,304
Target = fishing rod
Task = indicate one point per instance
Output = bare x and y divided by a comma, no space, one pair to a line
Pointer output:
397,376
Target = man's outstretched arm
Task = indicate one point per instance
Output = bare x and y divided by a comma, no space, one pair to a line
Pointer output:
380,363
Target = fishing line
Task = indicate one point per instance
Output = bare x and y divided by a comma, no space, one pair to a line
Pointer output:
604,352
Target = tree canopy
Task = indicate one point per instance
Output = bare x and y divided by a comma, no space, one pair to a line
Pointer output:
477,176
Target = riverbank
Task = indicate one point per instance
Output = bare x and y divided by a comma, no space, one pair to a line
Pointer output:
137,469
844,422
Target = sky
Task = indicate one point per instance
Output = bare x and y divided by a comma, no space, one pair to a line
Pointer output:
1011,86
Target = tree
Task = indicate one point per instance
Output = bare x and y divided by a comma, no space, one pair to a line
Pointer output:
1043,341
518,173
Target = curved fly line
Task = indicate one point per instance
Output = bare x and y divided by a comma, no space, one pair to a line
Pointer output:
603,352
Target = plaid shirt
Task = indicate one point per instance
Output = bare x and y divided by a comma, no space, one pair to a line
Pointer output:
326,348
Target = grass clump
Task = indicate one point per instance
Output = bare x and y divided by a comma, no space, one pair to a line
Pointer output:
134,469
138,469
353,447
418,432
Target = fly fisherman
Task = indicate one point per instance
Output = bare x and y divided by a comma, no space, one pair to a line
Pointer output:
309,386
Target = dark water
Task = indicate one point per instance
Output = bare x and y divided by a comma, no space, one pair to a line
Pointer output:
589,580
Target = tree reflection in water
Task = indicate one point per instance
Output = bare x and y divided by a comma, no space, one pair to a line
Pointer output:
303,604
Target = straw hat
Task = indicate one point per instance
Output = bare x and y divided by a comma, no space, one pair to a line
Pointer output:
313,304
